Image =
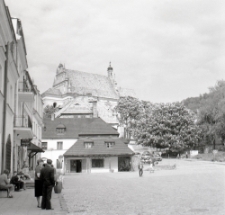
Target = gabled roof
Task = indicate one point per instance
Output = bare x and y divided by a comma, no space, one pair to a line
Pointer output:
98,127
76,126
97,85
99,148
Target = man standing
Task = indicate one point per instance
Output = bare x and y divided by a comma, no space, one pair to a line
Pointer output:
47,177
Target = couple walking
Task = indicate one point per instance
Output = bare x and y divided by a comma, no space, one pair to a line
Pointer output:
44,182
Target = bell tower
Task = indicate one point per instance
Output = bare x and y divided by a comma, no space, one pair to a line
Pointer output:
110,71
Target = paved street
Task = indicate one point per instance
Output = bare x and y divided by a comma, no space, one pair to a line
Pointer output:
24,203
194,188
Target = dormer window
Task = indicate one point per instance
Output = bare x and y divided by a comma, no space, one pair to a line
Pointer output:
88,145
60,129
109,144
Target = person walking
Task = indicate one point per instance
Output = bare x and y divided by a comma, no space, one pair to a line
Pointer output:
47,177
151,164
38,182
4,183
140,167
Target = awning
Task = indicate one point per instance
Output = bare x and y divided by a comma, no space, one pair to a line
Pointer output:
34,148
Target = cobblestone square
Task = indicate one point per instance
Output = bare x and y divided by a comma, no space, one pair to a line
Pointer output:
194,187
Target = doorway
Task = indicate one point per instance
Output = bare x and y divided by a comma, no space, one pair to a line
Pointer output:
124,164
75,166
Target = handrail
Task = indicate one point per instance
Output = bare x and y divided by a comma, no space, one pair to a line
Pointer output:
24,87
22,121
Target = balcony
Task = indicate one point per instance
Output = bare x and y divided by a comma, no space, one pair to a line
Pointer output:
23,127
25,92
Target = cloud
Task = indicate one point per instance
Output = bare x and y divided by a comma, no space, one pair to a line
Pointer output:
164,50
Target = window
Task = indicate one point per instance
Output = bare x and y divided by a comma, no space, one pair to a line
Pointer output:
88,145
109,144
61,129
97,162
59,145
44,145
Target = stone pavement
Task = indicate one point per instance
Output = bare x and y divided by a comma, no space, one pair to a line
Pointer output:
193,188
24,203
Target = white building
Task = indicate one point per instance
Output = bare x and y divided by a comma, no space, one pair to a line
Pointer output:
80,94
83,145
8,79
20,102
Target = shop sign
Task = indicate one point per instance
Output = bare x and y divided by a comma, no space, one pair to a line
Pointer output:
25,142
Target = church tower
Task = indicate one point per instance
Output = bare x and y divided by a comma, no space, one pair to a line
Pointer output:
110,71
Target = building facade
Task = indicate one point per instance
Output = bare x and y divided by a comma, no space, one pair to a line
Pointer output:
20,101
67,142
78,94
8,79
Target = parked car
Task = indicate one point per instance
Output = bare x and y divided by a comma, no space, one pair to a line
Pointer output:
147,157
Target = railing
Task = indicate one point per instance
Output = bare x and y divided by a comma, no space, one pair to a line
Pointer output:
23,87
23,121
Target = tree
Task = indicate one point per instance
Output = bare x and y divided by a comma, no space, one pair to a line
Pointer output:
169,126
128,110
49,110
211,115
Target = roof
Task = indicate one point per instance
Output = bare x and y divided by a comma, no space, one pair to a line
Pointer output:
99,148
76,126
97,85
32,147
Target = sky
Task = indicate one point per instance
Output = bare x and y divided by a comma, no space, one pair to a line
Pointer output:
165,50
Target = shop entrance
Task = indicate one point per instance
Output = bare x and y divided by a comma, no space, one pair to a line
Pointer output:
124,164
75,166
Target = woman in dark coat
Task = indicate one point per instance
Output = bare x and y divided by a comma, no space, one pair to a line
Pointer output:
38,183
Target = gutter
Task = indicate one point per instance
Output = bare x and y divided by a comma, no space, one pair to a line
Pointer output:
5,105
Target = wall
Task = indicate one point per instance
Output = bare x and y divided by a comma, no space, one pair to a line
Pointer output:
52,152
87,165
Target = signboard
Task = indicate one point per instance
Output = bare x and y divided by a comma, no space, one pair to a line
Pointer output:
25,142
193,153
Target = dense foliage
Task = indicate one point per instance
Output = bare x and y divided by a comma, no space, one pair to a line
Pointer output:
211,114
169,126
49,110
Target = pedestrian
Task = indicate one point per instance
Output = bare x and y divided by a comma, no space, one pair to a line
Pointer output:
38,182
4,183
140,168
186,155
47,177
151,163
19,184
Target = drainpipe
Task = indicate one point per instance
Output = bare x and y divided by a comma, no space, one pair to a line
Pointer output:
4,106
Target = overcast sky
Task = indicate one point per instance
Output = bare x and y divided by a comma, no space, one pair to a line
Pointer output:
165,50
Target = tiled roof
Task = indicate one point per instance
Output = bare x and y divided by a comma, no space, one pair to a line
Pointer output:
99,148
76,126
98,127
98,85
